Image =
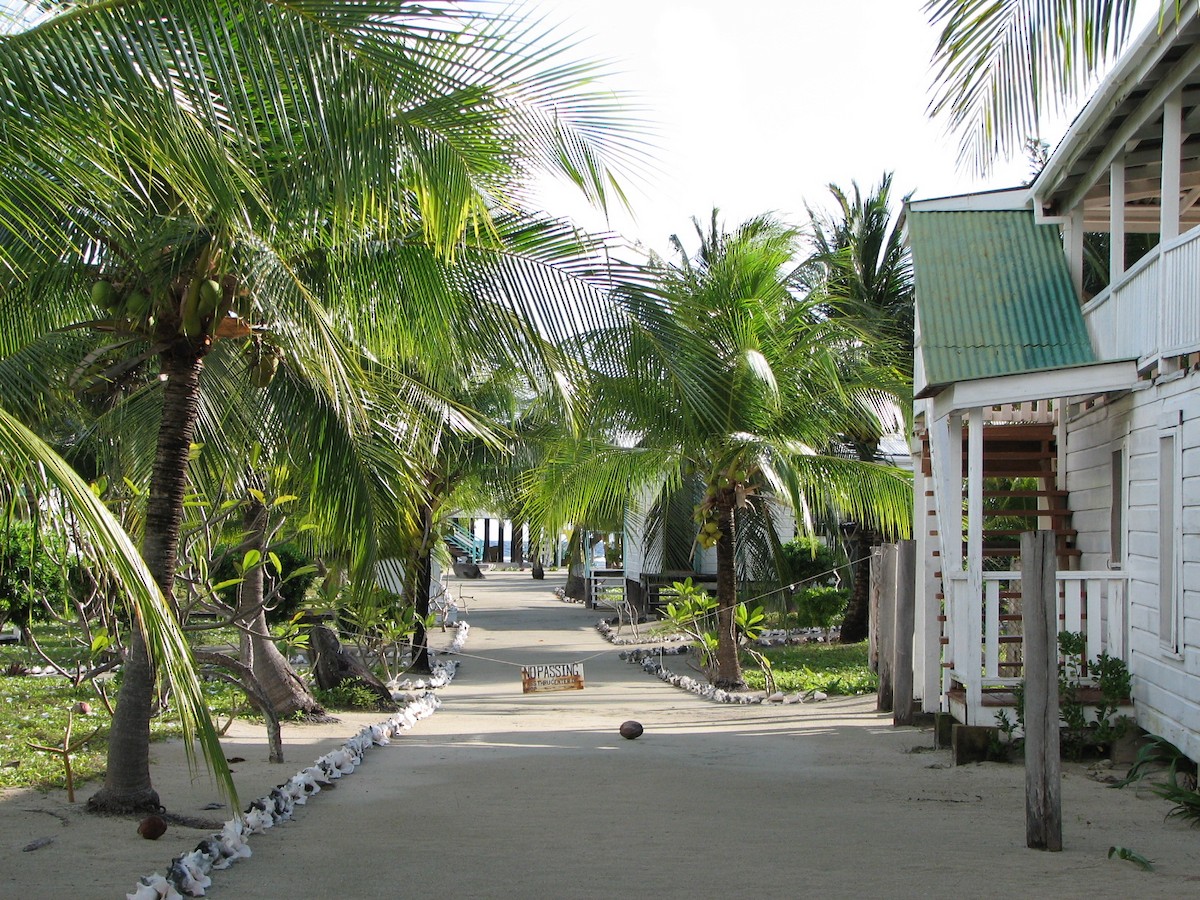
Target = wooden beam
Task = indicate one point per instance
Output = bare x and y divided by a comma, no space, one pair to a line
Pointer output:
1134,122
903,675
1043,765
886,627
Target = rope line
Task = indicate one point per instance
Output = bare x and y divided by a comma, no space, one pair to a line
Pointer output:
505,662
802,581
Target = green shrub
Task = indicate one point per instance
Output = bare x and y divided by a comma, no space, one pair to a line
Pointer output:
832,668
809,559
820,607
291,595
347,695
35,569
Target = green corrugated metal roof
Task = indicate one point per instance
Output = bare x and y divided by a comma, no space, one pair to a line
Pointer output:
994,295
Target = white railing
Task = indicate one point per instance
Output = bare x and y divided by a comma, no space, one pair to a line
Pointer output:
1179,321
1040,412
606,587
1123,320
1151,312
983,626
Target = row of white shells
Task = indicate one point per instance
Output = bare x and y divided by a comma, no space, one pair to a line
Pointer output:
709,692
610,634
188,874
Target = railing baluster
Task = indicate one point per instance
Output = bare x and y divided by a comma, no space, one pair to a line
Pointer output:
1072,607
1096,587
991,611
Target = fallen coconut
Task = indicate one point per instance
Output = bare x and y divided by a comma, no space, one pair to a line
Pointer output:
631,730
152,827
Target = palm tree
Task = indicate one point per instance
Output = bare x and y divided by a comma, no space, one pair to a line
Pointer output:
1000,67
721,375
861,270
29,469
204,170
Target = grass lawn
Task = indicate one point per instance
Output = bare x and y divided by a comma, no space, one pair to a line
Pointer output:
832,668
33,709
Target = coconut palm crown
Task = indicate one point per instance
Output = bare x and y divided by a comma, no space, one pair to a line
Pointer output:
180,177
721,375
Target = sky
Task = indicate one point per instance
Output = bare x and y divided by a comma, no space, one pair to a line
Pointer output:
761,105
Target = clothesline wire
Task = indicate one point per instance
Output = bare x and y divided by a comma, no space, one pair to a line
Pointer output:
505,662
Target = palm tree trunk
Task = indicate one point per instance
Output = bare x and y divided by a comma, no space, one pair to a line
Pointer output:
127,786
856,622
516,550
281,685
419,588
729,665
575,587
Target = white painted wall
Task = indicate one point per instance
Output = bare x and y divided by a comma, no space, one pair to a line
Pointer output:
1166,684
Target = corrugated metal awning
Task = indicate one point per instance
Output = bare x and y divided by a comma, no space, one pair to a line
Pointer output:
994,296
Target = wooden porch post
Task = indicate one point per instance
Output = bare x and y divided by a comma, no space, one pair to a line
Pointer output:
974,582
1073,245
904,625
1039,620
1172,146
885,617
1116,219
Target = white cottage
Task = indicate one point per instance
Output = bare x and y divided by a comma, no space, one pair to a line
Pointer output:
1058,386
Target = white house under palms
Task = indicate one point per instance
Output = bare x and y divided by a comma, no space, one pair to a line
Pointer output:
1058,373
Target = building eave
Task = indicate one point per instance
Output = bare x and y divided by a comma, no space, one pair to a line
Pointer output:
1024,387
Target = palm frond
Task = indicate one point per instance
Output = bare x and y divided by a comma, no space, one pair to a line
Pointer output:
1001,66
30,470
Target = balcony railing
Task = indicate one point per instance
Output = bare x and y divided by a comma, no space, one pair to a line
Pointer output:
1153,311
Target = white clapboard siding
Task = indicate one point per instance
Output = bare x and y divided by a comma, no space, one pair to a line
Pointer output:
1166,685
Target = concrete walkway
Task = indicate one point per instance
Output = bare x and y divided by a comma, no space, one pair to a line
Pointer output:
502,794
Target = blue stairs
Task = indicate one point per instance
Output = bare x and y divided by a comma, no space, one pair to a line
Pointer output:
463,543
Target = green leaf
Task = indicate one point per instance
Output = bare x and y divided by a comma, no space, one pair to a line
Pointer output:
300,571
228,583
252,558
276,562
286,498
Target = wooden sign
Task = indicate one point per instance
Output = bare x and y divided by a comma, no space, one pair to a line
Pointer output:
558,677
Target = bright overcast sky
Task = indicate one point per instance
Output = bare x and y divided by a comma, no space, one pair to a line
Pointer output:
762,104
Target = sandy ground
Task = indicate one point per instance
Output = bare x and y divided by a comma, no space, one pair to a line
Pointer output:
501,794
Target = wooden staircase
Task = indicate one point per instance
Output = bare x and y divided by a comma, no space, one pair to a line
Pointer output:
1020,494
1019,465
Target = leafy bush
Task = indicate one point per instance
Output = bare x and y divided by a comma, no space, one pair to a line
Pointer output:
35,569
1079,735
291,593
809,559
820,607
347,695
694,613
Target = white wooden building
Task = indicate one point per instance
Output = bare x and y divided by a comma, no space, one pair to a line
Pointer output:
1070,391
